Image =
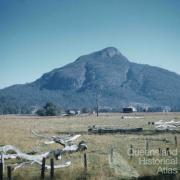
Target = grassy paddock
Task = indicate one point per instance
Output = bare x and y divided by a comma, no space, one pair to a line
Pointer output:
107,154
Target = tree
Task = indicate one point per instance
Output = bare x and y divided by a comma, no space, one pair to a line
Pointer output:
85,110
41,112
49,109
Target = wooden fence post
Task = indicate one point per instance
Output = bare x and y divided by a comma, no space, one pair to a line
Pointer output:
160,151
167,151
52,168
111,154
146,145
85,163
131,151
43,168
2,159
9,172
175,139
1,167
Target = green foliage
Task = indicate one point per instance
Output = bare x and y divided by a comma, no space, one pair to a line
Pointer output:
41,112
10,106
86,110
49,109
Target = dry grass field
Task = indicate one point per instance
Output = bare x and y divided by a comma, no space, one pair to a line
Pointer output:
107,154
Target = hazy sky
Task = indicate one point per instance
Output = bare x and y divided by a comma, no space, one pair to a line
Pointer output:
39,35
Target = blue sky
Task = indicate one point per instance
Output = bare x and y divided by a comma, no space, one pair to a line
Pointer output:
37,36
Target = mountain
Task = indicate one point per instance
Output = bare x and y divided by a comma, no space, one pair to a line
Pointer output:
107,74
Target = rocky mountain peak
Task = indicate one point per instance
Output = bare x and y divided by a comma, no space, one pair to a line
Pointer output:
109,52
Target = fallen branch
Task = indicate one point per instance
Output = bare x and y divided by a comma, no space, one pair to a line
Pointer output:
64,141
31,158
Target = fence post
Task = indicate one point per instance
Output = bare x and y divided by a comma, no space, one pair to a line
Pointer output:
1,167
111,154
85,163
175,139
52,168
146,145
167,151
131,151
160,151
43,168
9,172
2,159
